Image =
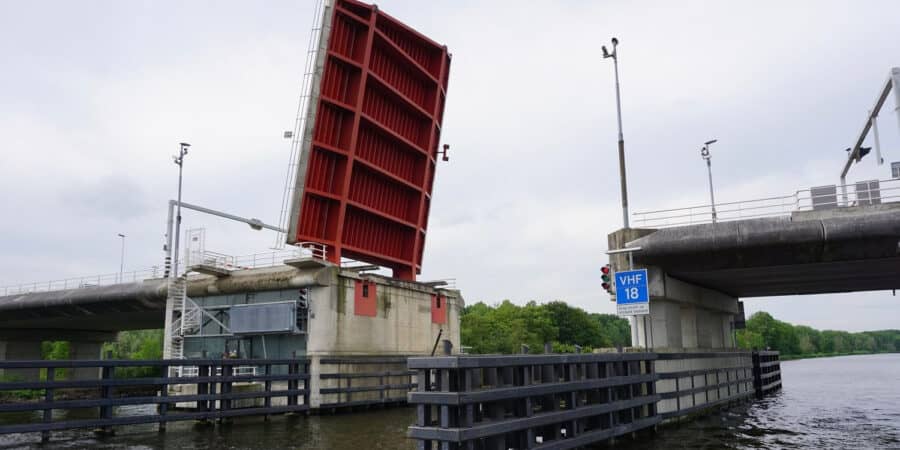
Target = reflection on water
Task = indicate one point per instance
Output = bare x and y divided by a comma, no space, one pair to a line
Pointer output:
376,429
846,402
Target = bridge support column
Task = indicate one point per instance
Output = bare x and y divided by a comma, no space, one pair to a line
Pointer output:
18,344
12,350
685,316
85,350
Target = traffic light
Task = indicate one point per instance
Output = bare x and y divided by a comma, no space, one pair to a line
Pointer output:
863,151
607,277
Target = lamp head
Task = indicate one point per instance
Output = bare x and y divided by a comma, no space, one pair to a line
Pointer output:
711,142
605,52
615,42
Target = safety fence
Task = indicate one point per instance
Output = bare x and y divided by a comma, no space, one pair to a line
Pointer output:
766,372
561,401
364,381
215,392
532,401
693,382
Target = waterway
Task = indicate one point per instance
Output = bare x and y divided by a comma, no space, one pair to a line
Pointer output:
842,402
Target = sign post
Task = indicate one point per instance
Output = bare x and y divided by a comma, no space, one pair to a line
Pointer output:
632,293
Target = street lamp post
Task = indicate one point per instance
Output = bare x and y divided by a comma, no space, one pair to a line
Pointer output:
122,258
624,184
179,160
704,153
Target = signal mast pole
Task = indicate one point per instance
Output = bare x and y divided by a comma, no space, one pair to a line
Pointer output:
624,184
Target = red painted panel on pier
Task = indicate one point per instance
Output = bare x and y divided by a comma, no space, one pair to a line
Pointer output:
438,309
370,164
365,298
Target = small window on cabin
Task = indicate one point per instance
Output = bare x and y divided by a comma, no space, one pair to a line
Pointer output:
895,169
438,300
365,289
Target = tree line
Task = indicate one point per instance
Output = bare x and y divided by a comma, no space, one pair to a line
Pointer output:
503,328
764,331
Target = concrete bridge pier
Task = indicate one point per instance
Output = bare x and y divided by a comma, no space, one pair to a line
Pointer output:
26,345
12,350
682,315
685,316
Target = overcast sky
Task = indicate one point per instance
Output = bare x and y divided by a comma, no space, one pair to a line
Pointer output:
95,97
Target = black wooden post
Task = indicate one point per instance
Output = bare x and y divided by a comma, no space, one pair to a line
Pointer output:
306,384
106,391
268,388
292,369
225,403
164,393
202,387
48,398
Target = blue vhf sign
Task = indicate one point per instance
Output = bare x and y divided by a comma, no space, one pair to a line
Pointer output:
632,293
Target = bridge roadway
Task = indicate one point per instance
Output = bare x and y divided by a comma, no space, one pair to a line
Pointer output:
89,316
810,252
698,272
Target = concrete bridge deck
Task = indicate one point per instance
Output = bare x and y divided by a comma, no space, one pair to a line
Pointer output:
810,252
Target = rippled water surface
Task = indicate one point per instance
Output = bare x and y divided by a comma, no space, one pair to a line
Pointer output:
844,402
831,403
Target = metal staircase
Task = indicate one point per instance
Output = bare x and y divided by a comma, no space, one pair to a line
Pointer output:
187,314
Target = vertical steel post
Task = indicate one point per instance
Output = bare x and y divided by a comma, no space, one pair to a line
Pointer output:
179,160
122,258
895,81
712,198
874,120
704,153
622,179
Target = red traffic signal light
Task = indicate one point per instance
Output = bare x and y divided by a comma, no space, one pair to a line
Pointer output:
607,271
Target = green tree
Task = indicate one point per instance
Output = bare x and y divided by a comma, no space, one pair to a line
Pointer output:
617,329
503,328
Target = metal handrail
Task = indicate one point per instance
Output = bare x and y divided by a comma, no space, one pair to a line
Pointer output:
862,193
81,282
228,262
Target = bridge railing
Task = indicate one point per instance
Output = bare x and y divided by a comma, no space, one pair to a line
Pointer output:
857,194
218,390
82,282
228,262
